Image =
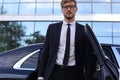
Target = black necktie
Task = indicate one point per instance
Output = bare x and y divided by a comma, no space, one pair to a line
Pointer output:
67,49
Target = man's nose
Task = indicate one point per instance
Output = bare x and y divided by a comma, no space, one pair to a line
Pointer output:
68,8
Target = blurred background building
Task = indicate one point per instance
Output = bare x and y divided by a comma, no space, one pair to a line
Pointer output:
24,22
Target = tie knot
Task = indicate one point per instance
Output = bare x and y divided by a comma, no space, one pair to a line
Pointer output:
68,25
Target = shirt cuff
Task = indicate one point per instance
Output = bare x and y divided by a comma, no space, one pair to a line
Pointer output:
39,78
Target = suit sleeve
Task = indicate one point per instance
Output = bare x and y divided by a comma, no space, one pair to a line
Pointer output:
44,55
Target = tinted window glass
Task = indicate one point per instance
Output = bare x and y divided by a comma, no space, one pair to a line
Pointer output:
116,40
115,8
103,8
31,62
48,0
44,8
118,49
10,1
26,8
105,39
84,8
115,0
29,27
83,0
101,0
8,8
42,27
102,28
27,0
116,29
57,8
108,52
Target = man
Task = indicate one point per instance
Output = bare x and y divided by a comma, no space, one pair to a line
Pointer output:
67,37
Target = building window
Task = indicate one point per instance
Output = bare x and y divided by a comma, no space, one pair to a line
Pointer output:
101,8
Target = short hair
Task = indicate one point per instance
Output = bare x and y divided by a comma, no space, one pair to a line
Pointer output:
65,1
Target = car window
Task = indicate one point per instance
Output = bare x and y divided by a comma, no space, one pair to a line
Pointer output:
108,52
31,62
118,49
28,62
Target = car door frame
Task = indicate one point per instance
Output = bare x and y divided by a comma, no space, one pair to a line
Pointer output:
105,65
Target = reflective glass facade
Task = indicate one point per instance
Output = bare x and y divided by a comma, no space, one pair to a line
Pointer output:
106,32
53,6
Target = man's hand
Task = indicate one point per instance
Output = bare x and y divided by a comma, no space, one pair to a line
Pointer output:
40,78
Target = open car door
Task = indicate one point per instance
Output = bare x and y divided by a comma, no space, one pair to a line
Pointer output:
105,69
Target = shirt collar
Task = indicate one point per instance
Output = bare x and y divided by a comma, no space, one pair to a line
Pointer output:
72,23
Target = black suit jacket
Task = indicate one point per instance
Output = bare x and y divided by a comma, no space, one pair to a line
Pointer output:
83,52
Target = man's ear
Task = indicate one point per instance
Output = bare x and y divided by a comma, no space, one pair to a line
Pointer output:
76,9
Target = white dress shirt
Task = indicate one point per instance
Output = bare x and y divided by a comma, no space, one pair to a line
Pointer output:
61,49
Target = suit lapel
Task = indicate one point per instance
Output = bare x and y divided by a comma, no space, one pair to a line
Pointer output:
59,31
76,32
57,34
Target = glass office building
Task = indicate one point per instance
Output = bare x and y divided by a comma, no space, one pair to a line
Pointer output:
34,15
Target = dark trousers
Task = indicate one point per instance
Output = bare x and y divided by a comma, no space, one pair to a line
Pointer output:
65,73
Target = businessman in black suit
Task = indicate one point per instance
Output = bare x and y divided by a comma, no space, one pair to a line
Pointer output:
67,53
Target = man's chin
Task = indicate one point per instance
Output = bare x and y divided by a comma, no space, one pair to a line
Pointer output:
68,17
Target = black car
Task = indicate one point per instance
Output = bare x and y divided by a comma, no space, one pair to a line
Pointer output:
21,63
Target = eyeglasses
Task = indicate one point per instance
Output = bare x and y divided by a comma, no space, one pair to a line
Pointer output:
71,7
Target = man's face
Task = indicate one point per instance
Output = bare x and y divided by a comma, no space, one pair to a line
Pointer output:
69,9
